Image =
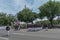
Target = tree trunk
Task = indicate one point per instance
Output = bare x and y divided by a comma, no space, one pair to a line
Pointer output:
51,22
32,22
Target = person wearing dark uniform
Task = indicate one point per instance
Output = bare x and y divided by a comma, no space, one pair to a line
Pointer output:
7,29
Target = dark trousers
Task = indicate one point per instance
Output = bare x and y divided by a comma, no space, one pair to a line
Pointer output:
16,27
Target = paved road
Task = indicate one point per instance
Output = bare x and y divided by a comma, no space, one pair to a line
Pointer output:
43,35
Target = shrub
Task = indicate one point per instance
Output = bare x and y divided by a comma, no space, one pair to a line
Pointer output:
23,25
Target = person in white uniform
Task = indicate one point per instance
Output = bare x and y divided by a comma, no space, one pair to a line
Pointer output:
7,29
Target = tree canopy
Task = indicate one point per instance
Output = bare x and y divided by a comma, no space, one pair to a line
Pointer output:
26,15
50,10
5,19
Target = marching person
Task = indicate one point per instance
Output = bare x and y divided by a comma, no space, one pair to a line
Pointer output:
7,29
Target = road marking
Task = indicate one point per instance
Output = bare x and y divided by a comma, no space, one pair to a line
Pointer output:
3,38
19,33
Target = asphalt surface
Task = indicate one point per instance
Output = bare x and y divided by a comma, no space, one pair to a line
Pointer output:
41,35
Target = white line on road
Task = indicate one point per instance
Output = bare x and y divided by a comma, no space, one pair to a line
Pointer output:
18,33
3,38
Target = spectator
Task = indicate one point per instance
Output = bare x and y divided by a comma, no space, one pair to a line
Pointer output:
17,25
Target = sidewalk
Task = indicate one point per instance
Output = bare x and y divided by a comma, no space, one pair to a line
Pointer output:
43,30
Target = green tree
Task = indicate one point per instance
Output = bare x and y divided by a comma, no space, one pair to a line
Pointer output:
26,15
10,18
2,18
50,10
5,19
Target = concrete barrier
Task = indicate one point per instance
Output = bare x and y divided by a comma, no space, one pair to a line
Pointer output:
2,27
35,29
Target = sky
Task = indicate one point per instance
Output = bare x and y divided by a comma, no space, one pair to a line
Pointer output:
14,6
